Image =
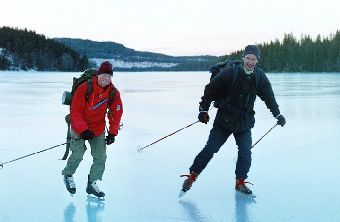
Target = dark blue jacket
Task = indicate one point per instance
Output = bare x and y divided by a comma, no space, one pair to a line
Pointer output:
237,96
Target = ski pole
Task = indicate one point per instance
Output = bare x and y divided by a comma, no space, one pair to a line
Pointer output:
140,149
264,135
2,164
259,139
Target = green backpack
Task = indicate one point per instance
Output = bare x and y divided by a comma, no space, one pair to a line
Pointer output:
86,76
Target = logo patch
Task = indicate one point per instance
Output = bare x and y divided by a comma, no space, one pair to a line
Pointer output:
117,107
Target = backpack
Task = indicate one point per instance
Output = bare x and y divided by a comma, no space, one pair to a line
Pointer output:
86,76
215,69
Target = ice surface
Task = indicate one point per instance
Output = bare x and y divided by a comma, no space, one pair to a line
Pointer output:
295,169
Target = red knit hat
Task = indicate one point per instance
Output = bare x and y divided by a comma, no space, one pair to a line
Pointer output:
105,67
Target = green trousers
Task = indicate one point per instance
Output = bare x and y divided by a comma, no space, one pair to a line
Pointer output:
98,152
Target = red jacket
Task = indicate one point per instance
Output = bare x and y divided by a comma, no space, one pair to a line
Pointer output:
86,115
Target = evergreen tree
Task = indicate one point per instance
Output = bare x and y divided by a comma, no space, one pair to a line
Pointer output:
27,50
305,55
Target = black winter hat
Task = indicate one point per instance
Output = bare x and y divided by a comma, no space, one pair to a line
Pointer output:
252,49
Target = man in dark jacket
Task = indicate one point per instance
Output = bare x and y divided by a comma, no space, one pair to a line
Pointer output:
235,114
88,123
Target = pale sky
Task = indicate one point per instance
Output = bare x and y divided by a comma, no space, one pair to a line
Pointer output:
175,27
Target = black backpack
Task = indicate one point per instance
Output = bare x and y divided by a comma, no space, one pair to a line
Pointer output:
215,69
86,76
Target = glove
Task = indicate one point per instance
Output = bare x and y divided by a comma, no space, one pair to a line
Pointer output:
110,139
281,120
203,117
87,135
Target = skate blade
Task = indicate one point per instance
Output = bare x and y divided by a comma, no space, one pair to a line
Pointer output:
253,196
95,198
181,193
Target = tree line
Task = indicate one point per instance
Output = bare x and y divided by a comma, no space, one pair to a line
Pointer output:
26,50
304,55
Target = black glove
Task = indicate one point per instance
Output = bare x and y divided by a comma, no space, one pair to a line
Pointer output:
110,139
203,117
87,135
281,120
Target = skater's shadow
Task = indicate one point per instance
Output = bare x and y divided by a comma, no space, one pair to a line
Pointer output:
69,212
192,211
93,208
241,207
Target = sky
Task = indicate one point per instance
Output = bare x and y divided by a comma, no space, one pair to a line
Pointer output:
175,27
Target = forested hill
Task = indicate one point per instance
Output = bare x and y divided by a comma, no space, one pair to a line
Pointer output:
304,55
113,50
26,50
128,59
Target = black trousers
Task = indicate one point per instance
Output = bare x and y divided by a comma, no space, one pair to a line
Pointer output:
217,137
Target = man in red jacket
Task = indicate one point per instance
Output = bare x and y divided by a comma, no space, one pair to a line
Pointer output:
88,123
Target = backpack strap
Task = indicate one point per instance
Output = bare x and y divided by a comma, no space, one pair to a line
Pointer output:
89,89
226,104
234,76
111,98
258,78
68,137
112,95
233,83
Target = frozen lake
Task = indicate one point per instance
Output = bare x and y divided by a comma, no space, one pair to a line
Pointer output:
295,169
